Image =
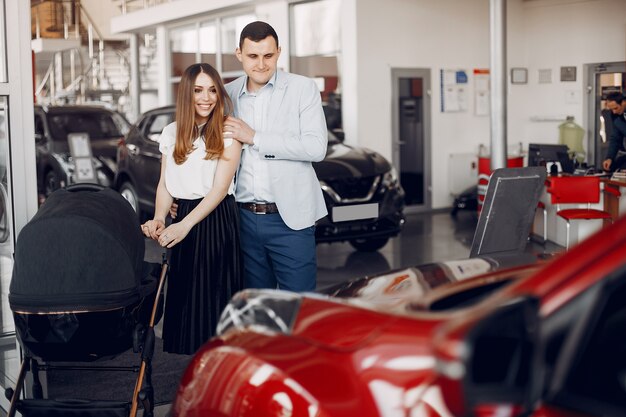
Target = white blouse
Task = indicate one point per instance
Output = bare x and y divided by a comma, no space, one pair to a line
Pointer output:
193,178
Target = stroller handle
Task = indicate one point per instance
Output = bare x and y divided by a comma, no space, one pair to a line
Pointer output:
85,186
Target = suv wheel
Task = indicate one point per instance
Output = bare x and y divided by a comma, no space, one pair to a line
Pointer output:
128,192
369,245
51,183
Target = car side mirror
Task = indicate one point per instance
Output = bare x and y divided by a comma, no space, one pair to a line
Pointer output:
487,362
39,138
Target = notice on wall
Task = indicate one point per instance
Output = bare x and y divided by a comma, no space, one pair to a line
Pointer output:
481,91
453,90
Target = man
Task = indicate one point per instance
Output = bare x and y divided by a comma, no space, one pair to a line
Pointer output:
279,118
616,102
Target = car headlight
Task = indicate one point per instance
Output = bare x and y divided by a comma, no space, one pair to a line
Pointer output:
272,311
390,178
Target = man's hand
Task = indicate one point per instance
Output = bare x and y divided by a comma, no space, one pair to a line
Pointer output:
173,210
238,130
606,164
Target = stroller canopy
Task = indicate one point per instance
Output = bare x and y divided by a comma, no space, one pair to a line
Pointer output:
82,251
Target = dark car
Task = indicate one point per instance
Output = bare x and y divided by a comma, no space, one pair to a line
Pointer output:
361,189
55,166
467,200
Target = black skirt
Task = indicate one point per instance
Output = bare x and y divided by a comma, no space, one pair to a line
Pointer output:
206,270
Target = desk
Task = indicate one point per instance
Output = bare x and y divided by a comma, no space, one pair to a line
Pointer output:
612,196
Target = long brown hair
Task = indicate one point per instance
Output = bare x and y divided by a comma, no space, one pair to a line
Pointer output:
186,129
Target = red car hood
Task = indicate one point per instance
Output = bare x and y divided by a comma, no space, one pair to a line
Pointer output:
349,316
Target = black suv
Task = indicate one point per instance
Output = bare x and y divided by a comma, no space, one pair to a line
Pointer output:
361,189
55,167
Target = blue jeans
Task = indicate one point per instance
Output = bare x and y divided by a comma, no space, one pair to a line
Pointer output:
276,256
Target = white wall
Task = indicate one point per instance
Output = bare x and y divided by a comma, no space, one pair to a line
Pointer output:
454,34
101,13
277,13
443,34
557,33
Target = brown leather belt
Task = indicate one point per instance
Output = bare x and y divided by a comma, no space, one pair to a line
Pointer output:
259,208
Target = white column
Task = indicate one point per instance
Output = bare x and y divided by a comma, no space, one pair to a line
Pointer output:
497,19
349,70
165,64
135,79
22,129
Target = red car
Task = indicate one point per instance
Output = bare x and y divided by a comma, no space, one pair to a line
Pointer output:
547,340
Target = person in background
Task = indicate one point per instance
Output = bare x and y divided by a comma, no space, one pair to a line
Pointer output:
279,118
616,154
197,169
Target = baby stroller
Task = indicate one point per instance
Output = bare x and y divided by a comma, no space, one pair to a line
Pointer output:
81,292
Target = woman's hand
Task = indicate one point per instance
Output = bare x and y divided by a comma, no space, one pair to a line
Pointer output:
153,228
173,234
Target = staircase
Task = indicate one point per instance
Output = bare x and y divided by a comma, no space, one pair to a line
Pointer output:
74,64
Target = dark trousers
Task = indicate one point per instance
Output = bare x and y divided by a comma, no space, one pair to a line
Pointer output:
275,256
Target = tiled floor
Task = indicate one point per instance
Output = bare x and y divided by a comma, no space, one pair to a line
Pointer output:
427,237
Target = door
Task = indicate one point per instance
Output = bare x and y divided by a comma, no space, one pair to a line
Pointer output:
602,79
590,374
411,135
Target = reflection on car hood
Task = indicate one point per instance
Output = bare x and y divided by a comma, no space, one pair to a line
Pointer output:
346,161
394,290
383,299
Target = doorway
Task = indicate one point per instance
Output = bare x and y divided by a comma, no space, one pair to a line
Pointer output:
411,135
602,79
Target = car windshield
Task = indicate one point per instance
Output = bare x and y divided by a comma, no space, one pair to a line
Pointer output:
98,125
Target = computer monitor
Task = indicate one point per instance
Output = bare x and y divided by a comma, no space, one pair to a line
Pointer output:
542,154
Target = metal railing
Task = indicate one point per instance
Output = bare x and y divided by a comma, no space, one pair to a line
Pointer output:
69,14
127,6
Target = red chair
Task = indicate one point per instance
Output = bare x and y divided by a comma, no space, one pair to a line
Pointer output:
576,190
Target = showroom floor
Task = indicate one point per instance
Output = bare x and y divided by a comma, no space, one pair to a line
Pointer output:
427,237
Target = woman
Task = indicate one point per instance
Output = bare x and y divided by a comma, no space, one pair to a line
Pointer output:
197,169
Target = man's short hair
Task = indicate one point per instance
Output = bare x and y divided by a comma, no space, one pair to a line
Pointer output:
616,97
256,32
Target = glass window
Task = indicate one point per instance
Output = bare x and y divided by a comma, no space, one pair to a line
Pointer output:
98,125
200,42
6,222
595,381
316,29
315,40
3,53
157,125
9,356
231,27
183,46
208,43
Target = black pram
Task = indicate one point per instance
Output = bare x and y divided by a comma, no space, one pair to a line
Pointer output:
81,292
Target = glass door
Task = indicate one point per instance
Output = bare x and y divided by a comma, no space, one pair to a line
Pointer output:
602,79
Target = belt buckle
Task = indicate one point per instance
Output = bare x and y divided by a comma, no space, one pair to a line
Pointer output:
258,208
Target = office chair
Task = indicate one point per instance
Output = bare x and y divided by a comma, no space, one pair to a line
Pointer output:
576,190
